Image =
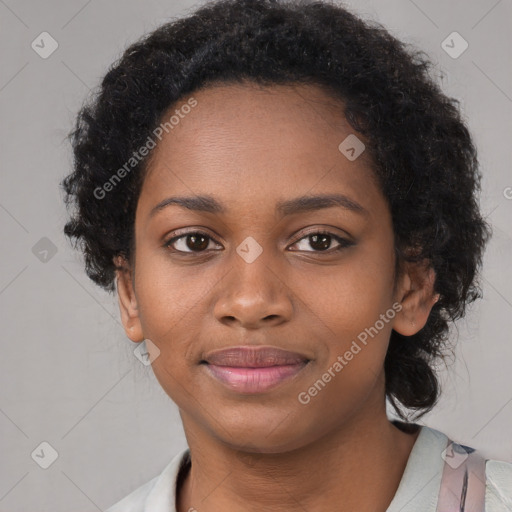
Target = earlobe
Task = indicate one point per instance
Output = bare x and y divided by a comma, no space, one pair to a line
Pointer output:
417,297
128,306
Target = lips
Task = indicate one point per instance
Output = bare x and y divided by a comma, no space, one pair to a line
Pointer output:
253,369
254,357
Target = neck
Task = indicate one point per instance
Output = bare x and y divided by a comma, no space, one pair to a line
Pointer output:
337,468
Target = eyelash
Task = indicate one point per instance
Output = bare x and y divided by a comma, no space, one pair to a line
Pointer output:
344,243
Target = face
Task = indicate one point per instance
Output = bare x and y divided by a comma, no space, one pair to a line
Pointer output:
253,266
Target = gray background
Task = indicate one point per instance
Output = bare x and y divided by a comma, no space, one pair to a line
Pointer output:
68,374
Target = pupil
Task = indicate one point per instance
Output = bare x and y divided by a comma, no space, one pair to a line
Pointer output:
324,244
193,239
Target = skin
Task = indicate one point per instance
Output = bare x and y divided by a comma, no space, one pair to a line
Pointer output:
250,147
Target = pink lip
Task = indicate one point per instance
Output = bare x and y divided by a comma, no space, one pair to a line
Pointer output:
253,380
253,369
248,356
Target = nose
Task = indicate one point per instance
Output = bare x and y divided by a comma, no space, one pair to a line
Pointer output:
254,295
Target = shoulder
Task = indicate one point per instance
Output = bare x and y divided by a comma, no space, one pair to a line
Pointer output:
498,486
159,492
433,477
498,475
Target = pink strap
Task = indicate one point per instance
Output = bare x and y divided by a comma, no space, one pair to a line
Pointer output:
463,480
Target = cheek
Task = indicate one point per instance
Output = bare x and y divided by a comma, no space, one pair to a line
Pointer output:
349,298
169,312
169,297
350,310
169,308
355,322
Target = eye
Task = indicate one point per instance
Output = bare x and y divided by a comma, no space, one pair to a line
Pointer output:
321,241
199,242
191,242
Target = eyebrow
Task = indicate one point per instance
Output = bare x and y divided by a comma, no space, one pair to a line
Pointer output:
301,204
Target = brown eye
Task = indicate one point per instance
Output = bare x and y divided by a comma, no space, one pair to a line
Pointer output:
322,241
190,242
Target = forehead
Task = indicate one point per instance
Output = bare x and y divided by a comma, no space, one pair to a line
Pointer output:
263,142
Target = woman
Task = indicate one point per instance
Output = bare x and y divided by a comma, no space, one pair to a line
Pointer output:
287,206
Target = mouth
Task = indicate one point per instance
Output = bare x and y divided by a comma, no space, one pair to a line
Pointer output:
250,369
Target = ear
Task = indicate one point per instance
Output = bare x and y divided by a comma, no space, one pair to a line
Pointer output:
415,293
127,300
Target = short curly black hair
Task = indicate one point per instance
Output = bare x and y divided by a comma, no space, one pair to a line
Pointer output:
422,153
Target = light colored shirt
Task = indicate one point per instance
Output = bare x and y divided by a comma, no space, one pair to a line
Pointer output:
418,490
